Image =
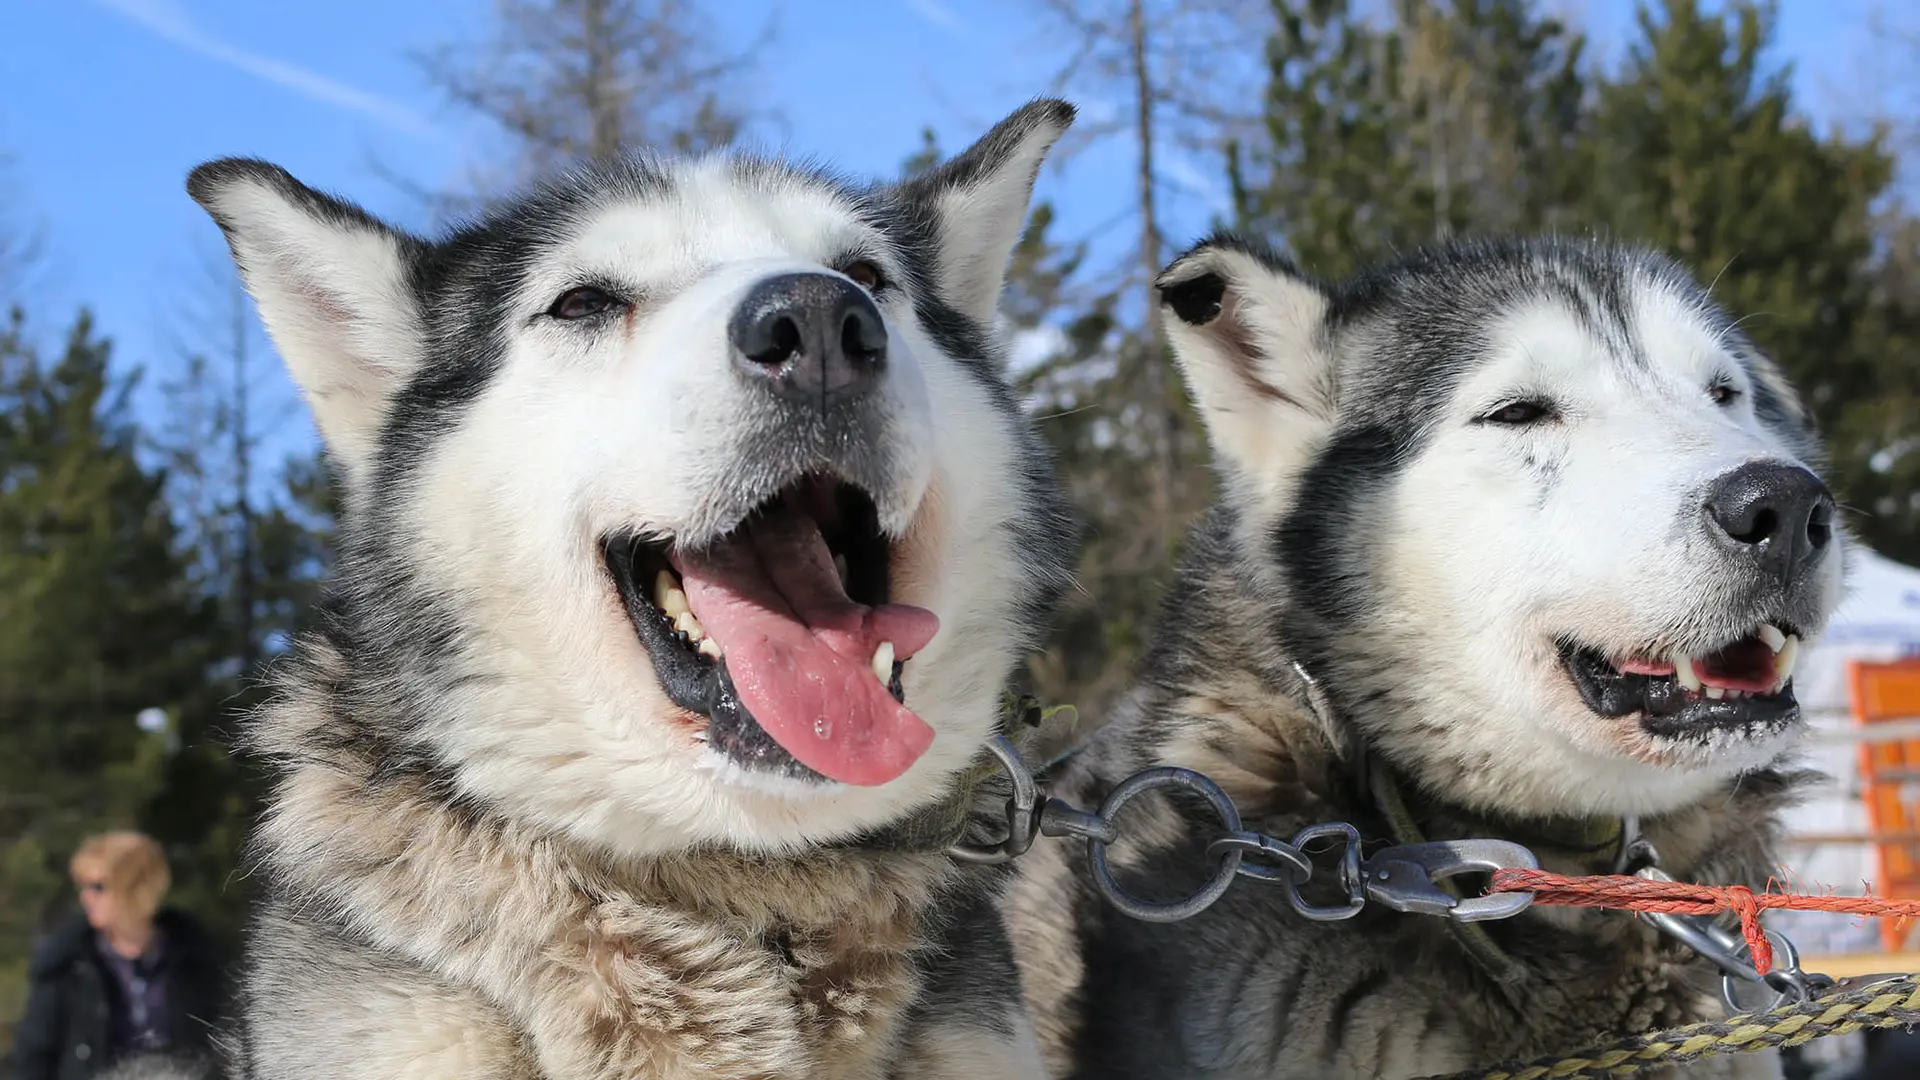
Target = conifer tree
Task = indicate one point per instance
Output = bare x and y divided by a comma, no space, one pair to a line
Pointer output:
103,639
1702,155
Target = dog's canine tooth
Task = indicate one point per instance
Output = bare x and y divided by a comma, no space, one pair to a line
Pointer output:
1771,634
710,649
883,661
1683,672
1783,662
840,567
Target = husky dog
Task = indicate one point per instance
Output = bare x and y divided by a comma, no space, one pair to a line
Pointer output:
1517,539
690,532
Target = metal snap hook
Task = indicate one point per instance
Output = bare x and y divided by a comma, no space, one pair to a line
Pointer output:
1022,818
1404,878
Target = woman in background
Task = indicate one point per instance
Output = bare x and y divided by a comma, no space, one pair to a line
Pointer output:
125,975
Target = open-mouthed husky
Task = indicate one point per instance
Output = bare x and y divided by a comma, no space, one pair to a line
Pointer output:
691,532
1519,538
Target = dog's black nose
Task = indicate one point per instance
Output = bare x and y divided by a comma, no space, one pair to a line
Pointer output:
814,338
1779,515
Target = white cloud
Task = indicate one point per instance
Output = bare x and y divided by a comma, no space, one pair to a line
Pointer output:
939,15
168,20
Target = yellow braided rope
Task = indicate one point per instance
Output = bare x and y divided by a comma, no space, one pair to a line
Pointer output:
1890,1004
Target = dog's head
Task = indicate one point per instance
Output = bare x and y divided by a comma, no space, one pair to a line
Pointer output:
685,500
1550,528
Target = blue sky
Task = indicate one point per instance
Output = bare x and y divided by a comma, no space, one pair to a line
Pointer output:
110,102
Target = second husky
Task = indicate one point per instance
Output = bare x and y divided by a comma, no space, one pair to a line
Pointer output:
1545,532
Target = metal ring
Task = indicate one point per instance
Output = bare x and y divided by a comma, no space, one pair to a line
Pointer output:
1292,864
1022,821
1350,873
1202,898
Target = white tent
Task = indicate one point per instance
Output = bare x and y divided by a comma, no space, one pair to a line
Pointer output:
1878,621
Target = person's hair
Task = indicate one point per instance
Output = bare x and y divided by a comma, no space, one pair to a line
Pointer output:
130,864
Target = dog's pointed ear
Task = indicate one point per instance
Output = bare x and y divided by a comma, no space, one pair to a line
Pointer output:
978,202
1249,332
333,286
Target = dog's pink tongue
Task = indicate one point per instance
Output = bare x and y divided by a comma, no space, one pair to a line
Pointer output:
800,653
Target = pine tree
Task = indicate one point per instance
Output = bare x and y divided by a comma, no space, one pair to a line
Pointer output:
1705,158
1449,118
100,627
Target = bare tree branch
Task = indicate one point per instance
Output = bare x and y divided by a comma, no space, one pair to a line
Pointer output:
20,243
567,80
1173,64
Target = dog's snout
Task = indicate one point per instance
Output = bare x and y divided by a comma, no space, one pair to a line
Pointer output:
1777,514
814,338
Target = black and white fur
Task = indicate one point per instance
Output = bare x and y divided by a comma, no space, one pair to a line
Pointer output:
1454,488
496,846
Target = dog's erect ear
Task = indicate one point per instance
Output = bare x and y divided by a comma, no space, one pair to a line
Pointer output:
331,283
1249,331
979,203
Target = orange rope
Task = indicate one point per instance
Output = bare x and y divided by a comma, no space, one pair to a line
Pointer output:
1685,898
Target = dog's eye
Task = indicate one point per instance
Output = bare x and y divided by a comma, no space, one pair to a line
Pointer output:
1722,394
866,275
581,303
1519,414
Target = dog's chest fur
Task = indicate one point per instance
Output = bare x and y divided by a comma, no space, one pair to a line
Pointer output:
726,976
1250,989
709,962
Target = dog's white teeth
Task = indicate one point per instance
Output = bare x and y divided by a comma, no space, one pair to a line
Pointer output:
1771,634
1683,672
1715,693
1783,661
690,626
667,595
883,663
840,567
710,649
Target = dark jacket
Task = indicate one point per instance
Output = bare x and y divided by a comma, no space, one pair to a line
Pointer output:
63,1033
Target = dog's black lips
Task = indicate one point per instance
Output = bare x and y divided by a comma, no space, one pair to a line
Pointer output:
701,684
1666,709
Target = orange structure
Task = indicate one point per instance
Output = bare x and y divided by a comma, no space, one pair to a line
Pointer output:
1889,693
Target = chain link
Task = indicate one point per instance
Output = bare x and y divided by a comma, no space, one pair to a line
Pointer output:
1403,878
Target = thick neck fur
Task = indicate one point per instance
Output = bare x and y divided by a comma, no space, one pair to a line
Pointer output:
748,964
